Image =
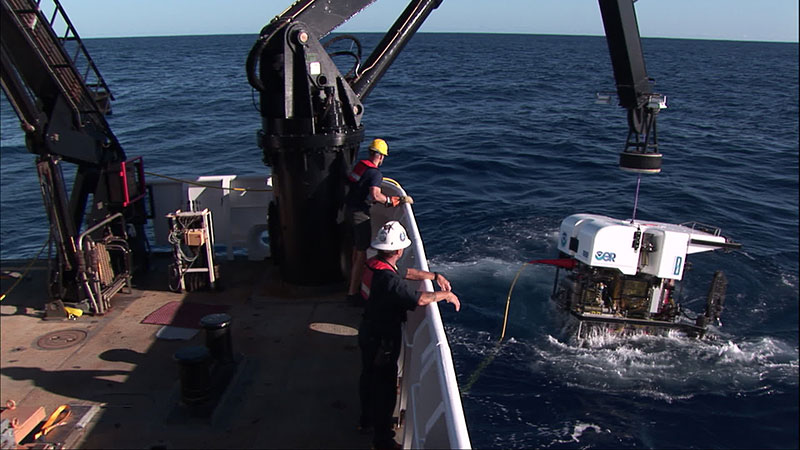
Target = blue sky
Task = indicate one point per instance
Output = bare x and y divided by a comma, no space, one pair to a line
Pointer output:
757,20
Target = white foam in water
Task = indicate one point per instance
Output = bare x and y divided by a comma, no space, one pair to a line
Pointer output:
789,279
666,367
579,429
571,433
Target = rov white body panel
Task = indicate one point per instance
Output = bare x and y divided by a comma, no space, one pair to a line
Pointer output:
632,247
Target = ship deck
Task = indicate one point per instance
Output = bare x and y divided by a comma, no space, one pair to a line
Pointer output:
295,385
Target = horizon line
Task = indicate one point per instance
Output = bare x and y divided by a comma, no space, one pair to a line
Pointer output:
459,32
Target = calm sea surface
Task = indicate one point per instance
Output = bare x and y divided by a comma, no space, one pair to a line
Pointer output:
497,138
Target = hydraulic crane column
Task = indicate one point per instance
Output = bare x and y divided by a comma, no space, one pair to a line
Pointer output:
311,132
311,128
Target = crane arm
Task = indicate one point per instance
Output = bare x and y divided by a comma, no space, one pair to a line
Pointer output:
391,45
634,87
320,17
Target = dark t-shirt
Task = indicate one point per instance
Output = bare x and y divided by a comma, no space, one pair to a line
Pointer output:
389,299
358,192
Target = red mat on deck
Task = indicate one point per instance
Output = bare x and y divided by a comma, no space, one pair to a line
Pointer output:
183,314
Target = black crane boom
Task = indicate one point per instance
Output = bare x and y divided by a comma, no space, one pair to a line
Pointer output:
311,118
634,87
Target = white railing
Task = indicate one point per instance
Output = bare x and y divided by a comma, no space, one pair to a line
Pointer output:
429,401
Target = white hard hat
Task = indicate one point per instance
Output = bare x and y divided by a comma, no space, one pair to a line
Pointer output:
391,236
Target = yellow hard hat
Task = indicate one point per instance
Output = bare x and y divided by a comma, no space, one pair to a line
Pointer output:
379,145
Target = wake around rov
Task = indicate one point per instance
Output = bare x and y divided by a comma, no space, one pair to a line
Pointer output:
621,274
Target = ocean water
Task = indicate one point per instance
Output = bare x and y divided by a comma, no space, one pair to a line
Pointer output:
498,138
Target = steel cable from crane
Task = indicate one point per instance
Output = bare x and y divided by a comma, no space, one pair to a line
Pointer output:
636,197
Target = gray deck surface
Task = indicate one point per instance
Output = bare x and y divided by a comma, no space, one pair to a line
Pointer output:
294,387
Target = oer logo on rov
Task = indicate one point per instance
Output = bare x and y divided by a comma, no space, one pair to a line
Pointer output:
605,256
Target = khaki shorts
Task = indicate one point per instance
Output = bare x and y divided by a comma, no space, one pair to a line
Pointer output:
361,227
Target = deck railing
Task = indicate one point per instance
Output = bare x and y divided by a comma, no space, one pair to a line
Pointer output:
429,404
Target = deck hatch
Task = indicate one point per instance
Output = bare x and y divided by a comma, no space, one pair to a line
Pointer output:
61,339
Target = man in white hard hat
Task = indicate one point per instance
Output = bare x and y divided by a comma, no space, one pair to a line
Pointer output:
388,298
364,189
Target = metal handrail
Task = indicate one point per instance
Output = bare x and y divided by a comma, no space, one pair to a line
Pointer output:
711,229
82,48
98,304
437,351
97,226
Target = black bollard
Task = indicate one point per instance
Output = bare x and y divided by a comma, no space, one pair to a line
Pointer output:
195,374
218,337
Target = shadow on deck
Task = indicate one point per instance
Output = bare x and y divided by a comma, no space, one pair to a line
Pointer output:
294,386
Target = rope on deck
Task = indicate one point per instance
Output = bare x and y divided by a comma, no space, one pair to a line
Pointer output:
25,272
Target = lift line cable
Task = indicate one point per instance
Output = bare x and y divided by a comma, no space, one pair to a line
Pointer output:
636,197
25,271
493,354
195,183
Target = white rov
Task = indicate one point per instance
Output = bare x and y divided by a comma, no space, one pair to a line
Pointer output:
622,273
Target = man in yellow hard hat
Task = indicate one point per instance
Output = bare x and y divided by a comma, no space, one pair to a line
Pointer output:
364,189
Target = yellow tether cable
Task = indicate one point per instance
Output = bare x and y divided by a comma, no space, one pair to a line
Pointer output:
25,271
195,183
508,301
474,377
